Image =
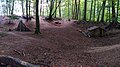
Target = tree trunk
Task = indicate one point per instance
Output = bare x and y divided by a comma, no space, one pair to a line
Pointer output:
117,9
85,9
55,6
68,9
103,10
51,8
37,29
29,6
99,11
12,7
47,8
27,9
94,10
109,10
43,10
40,7
73,9
7,6
76,10
79,11
91,10
60,10
99,15
113,11
22,4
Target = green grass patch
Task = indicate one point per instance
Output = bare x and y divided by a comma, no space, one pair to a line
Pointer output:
3,34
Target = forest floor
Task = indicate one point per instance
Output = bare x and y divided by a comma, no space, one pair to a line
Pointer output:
60,45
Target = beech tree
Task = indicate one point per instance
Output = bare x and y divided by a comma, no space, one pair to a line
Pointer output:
12,7
27,9
37,29
85,9
103,10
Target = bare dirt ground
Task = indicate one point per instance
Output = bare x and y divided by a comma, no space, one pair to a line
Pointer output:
60,45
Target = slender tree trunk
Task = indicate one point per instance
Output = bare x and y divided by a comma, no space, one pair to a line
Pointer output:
51,8
76,10
117,9
99,15
91,10
107,16
9,10
98,7
109,10
12,7
43,11
40,7
72,9
79,11
47,8
60,10
29,6
7,6
22,4
94,10
99,12
68,9
103,10
37,30
113,11
27,9
85,9
56,10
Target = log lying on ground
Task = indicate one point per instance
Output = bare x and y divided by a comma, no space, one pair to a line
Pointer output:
48,18
14,62
28,18
21,27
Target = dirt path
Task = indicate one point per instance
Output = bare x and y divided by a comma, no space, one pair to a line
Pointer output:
102,49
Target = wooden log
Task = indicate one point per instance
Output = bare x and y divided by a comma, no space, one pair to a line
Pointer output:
15,62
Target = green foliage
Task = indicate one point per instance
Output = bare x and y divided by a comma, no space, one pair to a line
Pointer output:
96,8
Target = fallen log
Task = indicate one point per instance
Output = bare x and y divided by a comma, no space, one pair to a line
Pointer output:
14,62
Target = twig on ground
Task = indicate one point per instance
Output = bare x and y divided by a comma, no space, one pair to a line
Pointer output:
18,52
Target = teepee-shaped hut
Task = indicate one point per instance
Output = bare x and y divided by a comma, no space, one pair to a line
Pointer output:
21,27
